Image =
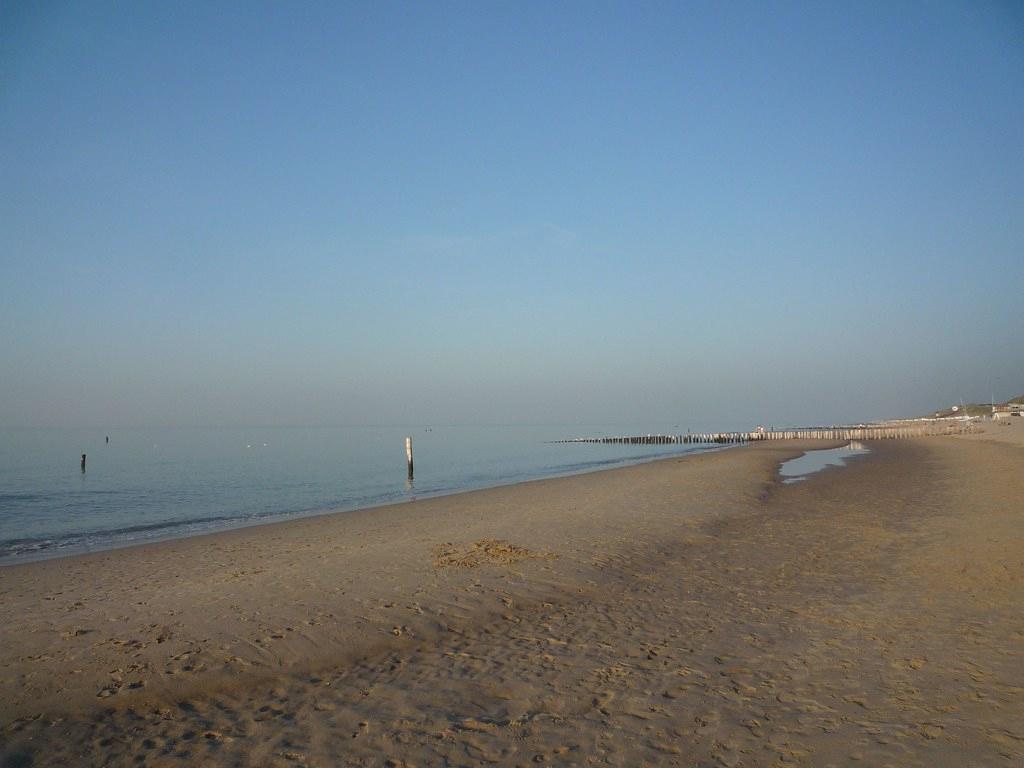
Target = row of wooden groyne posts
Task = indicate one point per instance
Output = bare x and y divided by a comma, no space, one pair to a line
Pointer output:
860,432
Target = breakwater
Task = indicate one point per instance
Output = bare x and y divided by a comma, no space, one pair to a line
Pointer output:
886,431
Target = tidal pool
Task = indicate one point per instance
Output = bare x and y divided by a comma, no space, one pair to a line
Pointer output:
795,470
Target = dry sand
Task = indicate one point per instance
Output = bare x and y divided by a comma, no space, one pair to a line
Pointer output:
689,612
1009,430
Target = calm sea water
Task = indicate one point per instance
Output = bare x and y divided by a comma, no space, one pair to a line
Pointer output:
150,484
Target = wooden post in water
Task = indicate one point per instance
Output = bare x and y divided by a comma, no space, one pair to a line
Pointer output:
83,462
408,454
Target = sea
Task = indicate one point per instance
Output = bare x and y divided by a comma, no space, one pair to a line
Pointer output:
150,484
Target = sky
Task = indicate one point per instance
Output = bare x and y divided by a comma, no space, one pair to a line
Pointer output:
704,215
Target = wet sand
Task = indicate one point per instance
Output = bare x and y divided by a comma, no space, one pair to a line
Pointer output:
694,611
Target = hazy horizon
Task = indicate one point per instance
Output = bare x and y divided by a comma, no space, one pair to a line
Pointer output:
705,216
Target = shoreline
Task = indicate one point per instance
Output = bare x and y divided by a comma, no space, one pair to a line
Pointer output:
229,558
287,516
689,610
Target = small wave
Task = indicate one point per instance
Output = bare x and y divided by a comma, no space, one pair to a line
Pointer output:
620,460
14,548
105,538
10,497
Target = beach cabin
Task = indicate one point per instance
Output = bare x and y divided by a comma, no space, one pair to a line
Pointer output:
1006,411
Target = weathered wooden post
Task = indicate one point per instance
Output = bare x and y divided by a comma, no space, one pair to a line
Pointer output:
408,455
83,462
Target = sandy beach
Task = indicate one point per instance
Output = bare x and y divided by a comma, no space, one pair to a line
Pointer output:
693,611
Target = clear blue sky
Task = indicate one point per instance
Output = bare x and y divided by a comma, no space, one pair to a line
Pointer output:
713,214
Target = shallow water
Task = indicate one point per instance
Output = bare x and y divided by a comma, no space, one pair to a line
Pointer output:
795,470
150,484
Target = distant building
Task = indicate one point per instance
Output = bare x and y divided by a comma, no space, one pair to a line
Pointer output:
1006,411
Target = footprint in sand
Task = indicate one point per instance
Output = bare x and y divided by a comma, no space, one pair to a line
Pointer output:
76,633
109,690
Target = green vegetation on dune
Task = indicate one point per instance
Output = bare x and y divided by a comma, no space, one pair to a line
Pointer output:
974,409
971,409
